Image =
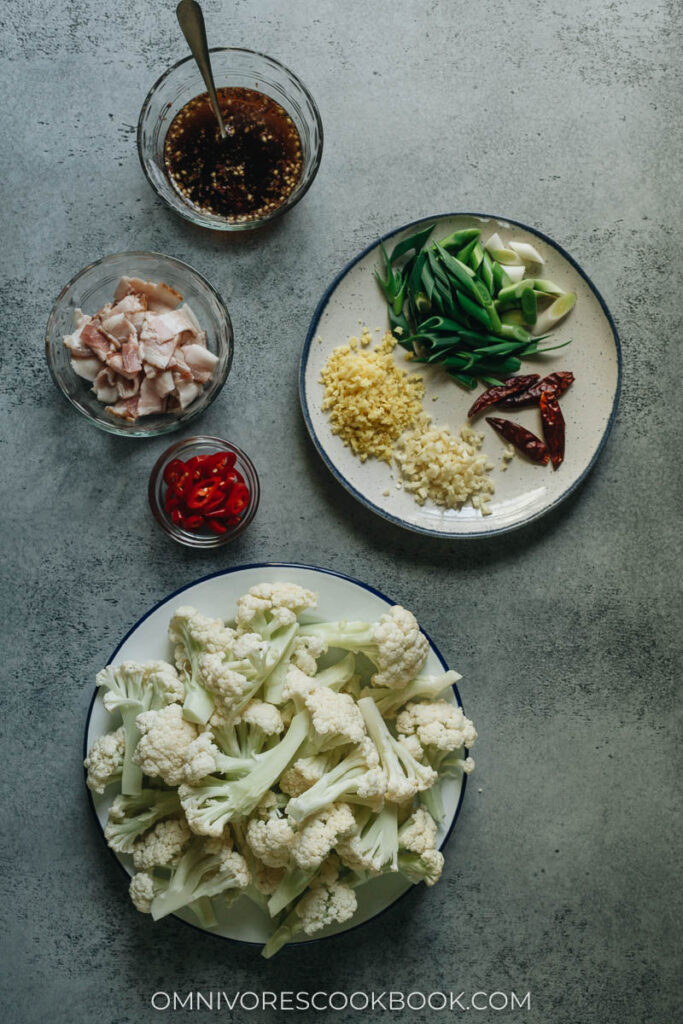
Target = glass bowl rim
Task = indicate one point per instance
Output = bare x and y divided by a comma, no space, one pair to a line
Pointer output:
189,212
206,543
174,423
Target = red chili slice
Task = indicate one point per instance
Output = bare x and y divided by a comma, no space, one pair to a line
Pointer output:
193,522
221,463
171,501
173,471
238,499
203,494
217,525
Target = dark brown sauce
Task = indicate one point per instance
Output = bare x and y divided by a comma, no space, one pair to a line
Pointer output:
249,174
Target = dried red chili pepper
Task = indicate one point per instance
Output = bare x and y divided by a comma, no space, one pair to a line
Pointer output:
522,439
552,421
556,383
495,395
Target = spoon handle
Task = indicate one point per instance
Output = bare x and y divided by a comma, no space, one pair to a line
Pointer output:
191,21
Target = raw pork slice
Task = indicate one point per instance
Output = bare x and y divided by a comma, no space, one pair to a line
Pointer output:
150,401
86,368
96,341
201,362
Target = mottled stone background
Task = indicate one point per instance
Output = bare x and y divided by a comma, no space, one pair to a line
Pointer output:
563,876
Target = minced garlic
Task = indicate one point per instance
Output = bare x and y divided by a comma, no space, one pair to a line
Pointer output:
447,468
369,399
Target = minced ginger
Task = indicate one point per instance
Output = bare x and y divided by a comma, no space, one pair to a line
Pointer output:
369,399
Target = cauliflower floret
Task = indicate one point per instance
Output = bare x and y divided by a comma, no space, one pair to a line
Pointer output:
190,631
265,878
104,762
233,867
302,775
172,748
268,606
412,744
307,650
374,846
269,834
437,724
328,901
418,833
421,867
321,833
260,715
298,686
142,890
402,648
221,679
335,717
163,845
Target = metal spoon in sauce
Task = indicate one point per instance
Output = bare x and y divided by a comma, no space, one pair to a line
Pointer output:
191,21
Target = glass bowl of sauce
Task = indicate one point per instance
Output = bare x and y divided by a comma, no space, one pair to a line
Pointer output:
268,160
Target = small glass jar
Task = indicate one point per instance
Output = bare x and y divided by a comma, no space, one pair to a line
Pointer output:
231,67
184,450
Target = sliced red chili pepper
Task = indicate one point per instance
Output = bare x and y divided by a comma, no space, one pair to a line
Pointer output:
202,494
173,470
557,383
178,517
238,499
217,500
195,466
217,513
171,501
552,421
496,394
182,484
221,463
217,525
193,522
522,439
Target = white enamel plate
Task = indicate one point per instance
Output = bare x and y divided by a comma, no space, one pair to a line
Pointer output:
338,597
524,491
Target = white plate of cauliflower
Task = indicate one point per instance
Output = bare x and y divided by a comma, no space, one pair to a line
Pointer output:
276,753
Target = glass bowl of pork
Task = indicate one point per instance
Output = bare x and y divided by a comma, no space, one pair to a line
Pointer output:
139,343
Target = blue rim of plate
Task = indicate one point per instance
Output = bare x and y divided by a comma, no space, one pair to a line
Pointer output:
358,495
228,572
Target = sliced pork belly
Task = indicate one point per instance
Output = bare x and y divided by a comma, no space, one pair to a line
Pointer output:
75,343
150,400
159,296
186,391
119,328
125,409
130,304
179,366
157,355
163,383
87,368
126,388
115,362
104,386
200,361
130,356
96,341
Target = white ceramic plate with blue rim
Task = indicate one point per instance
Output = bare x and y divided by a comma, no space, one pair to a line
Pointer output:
524,491
338,597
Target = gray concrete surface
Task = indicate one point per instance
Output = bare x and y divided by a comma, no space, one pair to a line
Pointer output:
563,877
